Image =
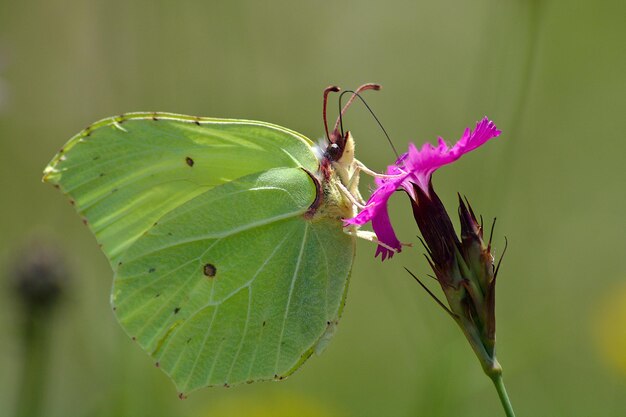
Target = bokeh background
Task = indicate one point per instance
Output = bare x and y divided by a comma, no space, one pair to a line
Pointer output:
551,74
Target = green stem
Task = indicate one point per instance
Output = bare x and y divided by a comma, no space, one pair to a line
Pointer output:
504,398
33,378
529,60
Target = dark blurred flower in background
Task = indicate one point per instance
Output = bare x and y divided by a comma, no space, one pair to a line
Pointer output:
38,277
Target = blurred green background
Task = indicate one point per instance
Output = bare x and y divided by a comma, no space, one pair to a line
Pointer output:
551,74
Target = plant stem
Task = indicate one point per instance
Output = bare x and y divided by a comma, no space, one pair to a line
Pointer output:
504,398
33,378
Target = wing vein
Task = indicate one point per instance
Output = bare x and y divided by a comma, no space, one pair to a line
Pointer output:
160,278
325,263
199,310
291,287
222,235
243,335
202,346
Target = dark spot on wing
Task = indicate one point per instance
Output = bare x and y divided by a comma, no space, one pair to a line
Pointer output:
189,161
182,396
189,340
85,222
264,322
209,270
151,270
72,202
134,339
95,158
156,119
157,295
176,310
197,121
157,364
226,385
102,174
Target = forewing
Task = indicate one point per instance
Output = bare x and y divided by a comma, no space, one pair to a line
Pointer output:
235,285
125,173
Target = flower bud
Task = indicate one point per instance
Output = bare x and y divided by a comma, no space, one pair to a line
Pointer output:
464,268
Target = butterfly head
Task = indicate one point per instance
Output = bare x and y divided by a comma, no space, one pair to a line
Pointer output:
333,150
337,148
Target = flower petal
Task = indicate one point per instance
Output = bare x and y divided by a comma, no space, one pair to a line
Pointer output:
421,164
415,167
376,202
384,232
376,212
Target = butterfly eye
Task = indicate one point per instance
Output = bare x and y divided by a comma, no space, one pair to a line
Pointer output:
333,152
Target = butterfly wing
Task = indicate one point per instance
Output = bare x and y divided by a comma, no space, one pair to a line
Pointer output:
220,274
125,173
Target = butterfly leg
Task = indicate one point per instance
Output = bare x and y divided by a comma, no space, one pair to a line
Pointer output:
353,185
361,166
350,196
375,174
369,236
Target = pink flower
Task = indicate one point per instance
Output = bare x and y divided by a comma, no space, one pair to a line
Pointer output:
415,168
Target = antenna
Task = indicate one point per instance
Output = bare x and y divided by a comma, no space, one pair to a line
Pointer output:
327,91
355,94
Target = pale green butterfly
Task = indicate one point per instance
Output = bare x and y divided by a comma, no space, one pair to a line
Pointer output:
230,258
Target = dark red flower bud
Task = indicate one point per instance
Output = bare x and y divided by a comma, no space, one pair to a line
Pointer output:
464,268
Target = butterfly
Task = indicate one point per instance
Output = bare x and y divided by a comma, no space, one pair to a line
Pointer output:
226,238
